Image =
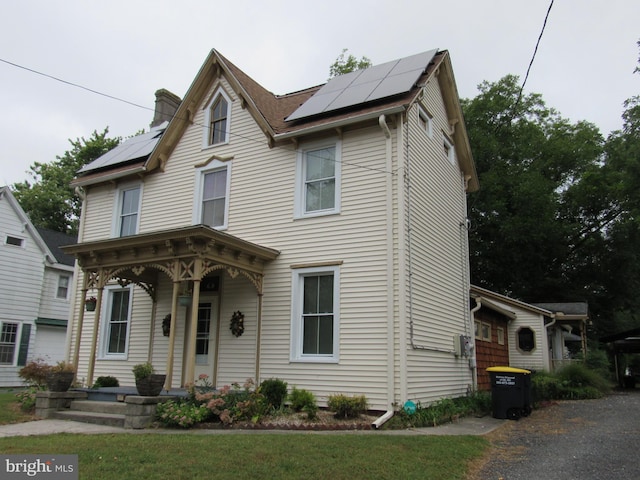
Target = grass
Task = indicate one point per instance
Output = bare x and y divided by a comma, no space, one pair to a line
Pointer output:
240,455
10,411
288,456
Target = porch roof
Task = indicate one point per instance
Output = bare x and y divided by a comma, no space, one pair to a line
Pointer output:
160,249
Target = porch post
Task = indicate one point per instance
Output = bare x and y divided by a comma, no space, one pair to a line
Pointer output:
76,347
258,337
94,338
172,334
193,328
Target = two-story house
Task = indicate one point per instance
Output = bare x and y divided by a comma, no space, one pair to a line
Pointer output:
35,291
318,237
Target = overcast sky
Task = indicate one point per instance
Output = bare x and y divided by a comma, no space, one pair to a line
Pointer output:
129,49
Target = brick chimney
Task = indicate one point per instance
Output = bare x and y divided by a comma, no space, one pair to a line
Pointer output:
167,104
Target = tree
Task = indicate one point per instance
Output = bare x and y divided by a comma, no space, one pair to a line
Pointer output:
344,65
48,198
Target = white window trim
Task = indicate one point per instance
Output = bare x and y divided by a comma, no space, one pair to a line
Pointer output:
207,117
117,207
451,155
23,240
427,119
500,333
300,207
16,343
104,331
199,188
68,277
297,276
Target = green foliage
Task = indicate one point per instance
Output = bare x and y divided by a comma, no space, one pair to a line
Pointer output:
275,391
27,398
302,399
48,198
183,414
344,65
143,370
573,382
106,381
347,407
442,411
234,403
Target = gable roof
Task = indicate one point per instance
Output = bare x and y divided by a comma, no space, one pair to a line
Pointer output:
270,112
55,240
484,293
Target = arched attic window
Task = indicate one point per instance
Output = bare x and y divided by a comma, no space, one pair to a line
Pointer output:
217,118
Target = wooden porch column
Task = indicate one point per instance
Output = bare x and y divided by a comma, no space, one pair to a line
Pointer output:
258,338
172,334
94,337
193,327
76,347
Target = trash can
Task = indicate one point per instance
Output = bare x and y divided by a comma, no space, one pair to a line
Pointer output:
510,392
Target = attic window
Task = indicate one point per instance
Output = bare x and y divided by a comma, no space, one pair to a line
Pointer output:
425,121
449,150
217,120
18,242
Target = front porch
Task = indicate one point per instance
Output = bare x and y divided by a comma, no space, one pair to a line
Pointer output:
165,265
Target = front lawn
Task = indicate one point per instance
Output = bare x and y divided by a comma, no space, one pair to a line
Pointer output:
247,455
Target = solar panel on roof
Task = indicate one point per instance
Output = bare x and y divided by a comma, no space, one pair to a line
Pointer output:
374,83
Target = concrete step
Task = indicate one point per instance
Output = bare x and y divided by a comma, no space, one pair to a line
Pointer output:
111,419
118,408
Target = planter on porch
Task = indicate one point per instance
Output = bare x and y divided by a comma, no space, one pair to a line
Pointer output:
184,300
59,381
150,386
90,304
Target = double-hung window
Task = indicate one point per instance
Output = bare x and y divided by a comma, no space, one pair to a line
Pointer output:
318,185
217,118
8,339
63,287
315,316
127,210
212,193
115,338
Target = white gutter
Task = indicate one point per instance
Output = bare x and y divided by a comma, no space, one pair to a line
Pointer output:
382,121
338,123
106,178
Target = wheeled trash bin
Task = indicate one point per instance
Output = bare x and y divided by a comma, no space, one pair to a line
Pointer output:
510,392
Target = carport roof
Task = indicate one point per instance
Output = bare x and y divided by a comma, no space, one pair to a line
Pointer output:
624,342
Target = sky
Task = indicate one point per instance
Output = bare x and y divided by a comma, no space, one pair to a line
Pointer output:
129,49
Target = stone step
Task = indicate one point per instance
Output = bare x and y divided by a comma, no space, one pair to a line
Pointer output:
98,407
110,419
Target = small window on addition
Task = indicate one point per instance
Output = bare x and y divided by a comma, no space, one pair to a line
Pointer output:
18,242
526,339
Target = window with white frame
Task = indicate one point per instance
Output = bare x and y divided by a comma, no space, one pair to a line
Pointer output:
8,339
449,151
500,332
315,315
212,193
482,331
318,185
15,241
116,327
127,210
425,121
63,286
217,116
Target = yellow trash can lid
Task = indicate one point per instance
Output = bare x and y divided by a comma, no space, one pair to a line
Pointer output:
507,370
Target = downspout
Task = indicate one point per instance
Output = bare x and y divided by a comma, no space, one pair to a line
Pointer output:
472,319
382,121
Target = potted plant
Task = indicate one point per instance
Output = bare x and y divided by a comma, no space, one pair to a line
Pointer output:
90,304
148,383
60,377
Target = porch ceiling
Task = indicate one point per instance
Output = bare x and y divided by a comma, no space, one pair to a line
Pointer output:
162,248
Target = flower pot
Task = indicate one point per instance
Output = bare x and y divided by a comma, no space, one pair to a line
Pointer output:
90,306
184,300
150,386
59,381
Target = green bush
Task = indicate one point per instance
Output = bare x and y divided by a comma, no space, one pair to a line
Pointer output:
301,399
182,414
275,391
347,407
234,403
107,381
27,398
574,381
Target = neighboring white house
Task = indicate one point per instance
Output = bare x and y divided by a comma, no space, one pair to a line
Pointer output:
35,291
330,222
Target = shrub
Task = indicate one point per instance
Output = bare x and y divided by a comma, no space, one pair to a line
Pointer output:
275,391
173,413
347,407
574,381
106,382
143,370
578,375
302,399
27,398
233,403
35,372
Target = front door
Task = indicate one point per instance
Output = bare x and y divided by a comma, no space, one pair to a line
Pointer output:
206,337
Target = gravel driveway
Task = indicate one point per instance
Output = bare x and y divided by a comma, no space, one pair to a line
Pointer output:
581,440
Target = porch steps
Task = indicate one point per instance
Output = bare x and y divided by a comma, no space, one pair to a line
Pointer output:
100,413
